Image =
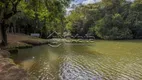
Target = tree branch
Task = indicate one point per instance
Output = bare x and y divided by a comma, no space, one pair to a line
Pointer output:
14,9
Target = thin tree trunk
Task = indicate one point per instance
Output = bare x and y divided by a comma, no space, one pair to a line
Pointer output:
3,33
14,28
62,27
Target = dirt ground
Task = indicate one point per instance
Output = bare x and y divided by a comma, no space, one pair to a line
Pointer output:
19,40
17,37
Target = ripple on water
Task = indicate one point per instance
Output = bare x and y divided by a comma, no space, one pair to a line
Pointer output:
75,64
71,71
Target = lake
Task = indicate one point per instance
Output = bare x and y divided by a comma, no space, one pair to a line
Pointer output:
99,60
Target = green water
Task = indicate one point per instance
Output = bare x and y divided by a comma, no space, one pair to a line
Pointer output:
101,60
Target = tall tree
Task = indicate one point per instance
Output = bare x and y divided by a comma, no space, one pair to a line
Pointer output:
37,10
8,9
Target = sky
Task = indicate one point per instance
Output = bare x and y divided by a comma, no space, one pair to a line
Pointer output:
89,1
84,2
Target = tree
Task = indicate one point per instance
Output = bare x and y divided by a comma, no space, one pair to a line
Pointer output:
112,27
108,19
33,11
8,9
134,18
82,18
56,9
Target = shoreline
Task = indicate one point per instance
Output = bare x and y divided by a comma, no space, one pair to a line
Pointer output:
9,70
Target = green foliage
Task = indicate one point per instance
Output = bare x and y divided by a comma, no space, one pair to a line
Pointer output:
109,19
38,14
82,18
112,27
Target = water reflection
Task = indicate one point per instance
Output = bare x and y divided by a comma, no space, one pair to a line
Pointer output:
82,62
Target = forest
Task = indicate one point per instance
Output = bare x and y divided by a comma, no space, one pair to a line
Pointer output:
108,19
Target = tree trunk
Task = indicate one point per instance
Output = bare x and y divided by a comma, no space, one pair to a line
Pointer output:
62,27
6,16
14,28
3,33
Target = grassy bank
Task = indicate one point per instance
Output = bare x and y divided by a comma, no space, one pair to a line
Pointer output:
16,41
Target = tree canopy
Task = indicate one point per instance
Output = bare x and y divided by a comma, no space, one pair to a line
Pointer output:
108,19
29,16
